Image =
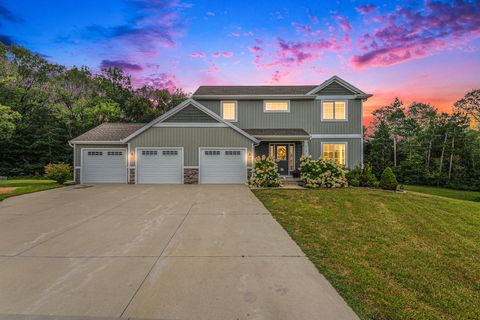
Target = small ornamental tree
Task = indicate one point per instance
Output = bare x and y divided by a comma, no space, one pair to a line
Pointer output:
264,173
60,172
367,178
388,181
322,174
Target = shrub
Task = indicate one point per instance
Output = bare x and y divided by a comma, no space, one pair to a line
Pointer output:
388,181
321,173
361,177
59,172
264,173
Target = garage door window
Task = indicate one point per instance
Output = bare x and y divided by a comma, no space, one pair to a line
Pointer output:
149,153
170,152
232,152
95,153
212,153
114,153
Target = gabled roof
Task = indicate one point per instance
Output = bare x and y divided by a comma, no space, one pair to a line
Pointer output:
108,132
340,81
253,90
181,106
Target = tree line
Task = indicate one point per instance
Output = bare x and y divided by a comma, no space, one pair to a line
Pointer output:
425,146
43,105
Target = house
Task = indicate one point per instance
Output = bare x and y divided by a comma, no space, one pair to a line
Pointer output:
214,136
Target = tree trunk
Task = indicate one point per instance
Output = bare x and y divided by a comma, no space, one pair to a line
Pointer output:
429,153
451,159
443,151
394,151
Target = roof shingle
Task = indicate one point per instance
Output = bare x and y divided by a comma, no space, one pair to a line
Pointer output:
253,90
109,132
277,132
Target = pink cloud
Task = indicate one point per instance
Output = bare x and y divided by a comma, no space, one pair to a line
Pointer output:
344,23
234,34
408,34
197,55
255,49
210,13
225,54
159,81
366,8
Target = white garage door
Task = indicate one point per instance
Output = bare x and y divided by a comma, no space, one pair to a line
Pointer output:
104,166
160,165
223,165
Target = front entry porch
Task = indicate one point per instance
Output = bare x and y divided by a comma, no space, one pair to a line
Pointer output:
286,146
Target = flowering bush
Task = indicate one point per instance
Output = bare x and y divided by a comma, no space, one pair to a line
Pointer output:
59,172
264,173
321,173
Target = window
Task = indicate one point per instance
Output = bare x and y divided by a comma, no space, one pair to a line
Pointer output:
276,106
95,153
291,155
170,152
335,152
114,153
281,153
229,110
334,110
149,152
212,153
232,152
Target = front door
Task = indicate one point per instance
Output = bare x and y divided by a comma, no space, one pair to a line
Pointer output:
281,155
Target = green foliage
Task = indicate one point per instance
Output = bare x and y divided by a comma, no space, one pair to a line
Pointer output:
8,118
361,177
321,173
60,172
388,181
264,173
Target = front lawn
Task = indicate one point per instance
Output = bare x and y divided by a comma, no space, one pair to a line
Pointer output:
10,188
444,192
390,255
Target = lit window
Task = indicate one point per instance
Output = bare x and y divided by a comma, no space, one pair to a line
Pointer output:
334,110
335,152
276,106
229,110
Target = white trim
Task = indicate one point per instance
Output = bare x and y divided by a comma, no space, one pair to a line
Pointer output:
221,148
103,148
78,167
180,107
335,142
281,138
159,148
190,125
341,82
275,111
253,96
305,147
333,120
337,136
337,97
98,142
190,167
74,164
361,131
236,109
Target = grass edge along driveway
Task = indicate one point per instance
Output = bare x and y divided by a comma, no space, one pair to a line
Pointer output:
390,255
24,186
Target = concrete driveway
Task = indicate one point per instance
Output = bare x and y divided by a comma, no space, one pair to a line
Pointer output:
156,252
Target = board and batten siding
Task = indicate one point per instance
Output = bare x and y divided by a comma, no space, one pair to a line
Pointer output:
304,114
334,89
78,148
190,114
191,139
354,149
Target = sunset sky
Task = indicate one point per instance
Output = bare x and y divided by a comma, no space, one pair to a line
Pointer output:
426,51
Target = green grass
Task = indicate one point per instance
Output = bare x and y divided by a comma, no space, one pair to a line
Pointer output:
390,255
24,186
444,192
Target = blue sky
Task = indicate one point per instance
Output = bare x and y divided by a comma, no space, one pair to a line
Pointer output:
425,51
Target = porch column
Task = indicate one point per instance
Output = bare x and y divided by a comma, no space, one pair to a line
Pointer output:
305,147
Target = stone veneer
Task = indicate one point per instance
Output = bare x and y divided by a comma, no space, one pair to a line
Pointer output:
76,174
190,176
131,176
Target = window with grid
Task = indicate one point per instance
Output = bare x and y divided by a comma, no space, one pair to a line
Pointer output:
95,153
276,106
149,152
170,152
334,110
232,152
212,153
114,153
335,152
229,110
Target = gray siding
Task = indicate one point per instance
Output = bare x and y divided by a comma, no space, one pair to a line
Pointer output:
334,89
304,114
354,149
191,139
190,114
78,148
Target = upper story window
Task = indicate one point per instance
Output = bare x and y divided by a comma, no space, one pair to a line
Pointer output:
276,106
334,110
229,110
336,152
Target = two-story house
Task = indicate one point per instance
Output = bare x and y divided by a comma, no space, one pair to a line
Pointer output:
214,136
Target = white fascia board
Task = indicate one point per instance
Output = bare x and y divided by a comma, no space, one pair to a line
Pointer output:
281,138
97,142
254,96
337,136
190,125
341,82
